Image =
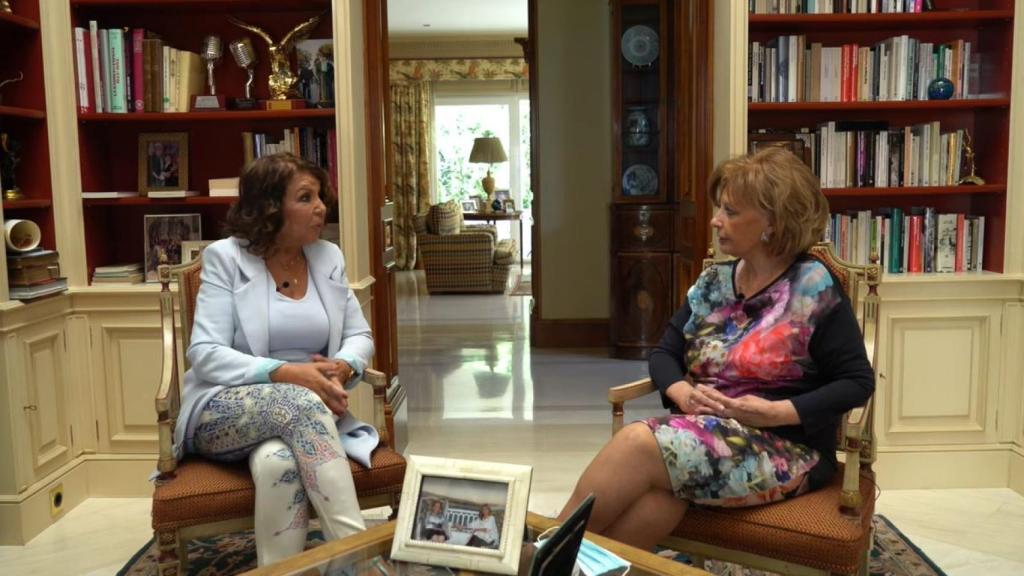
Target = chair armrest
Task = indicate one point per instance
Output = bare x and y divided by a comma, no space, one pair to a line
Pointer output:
379,382
854,426
168,400
619,395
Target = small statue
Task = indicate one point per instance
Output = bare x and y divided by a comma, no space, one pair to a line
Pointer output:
281,76
971,178
10,157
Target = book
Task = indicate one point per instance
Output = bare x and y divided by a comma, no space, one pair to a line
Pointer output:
138,71
223,187
118,98
30,259
30,275
94,56
132,278
37,290
114,269
81,70
191,79
114,194
171,193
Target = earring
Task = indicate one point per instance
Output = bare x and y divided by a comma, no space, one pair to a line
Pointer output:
765,237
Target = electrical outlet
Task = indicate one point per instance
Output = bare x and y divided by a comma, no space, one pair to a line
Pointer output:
56,500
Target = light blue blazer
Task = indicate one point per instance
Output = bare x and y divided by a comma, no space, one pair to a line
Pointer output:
230,335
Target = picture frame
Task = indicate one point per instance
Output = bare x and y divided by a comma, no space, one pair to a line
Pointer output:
508,205
387,218
164,235
191,249
462,514
315,84
163,162
469,205
758,141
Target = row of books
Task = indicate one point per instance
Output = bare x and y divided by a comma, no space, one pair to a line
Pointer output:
852,154
130,273
34,274
918,240
786,69
316,145
121,70
837,6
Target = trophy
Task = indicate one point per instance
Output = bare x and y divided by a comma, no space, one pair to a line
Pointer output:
241,50
971,178
10,156
5,6
211,54
282,79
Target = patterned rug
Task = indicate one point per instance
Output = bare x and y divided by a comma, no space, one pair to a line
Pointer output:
523,287
893,555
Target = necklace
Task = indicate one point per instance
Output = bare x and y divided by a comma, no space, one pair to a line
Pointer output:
291,278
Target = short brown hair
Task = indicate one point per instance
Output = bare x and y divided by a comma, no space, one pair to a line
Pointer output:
776,181
256,216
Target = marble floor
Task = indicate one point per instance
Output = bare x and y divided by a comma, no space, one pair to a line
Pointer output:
476,390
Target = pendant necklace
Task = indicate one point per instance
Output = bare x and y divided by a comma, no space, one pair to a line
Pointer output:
289,274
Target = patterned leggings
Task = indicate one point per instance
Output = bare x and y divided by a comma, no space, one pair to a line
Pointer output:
295,455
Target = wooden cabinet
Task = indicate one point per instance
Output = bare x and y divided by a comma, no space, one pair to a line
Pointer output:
37,394
662,145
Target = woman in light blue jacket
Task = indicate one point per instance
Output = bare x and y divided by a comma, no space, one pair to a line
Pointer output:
277,340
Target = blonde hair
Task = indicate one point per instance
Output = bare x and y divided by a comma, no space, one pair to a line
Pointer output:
776,181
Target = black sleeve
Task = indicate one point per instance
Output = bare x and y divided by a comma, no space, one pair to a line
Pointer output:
667,364
837,349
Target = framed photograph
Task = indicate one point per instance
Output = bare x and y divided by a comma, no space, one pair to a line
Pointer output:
790,142
469,205
316,71
387,218
191,249
463,514
508,205
164,236
163,161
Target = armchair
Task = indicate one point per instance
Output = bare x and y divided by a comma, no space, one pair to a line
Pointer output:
195,497
471,260
827,531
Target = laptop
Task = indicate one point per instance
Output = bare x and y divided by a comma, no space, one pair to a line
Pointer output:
557,556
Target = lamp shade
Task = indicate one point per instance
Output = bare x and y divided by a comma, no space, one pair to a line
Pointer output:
487,150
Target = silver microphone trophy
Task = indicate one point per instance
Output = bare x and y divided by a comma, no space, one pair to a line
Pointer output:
245,57
211,54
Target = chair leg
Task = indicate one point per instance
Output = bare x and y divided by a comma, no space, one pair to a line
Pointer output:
169,559
865,561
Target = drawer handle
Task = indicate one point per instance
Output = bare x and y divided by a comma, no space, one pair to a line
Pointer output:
30,408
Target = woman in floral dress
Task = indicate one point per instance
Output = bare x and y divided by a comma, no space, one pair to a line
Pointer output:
756,367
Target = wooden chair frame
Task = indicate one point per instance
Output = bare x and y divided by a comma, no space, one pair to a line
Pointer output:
856,433
173,558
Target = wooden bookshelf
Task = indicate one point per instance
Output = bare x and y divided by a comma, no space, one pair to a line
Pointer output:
109,142
984,114
23,118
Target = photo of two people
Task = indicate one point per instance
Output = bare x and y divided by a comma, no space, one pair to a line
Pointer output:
460,512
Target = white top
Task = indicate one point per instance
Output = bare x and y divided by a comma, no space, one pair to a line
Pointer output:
488,529
298,328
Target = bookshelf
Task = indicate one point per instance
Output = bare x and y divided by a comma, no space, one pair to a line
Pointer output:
108,142
985,113
23,118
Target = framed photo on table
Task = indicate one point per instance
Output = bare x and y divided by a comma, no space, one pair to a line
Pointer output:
508,205
164,236
163,162
191,249
463,514
469,205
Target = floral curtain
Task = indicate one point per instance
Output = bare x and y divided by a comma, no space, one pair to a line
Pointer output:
410,126
459,69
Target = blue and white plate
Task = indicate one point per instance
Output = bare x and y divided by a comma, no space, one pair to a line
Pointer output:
640,45
639,180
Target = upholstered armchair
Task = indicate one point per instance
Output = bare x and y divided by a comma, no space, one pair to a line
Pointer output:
195,497
828,531
458,258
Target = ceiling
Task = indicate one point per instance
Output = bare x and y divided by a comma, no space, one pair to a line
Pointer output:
456,17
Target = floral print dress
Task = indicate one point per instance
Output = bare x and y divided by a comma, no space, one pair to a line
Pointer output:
759,345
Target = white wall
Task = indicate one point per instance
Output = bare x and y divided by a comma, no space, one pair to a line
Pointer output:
575,157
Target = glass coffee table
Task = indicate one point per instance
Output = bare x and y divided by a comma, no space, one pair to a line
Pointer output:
368,551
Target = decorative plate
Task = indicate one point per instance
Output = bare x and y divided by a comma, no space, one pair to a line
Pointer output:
640,45
640,180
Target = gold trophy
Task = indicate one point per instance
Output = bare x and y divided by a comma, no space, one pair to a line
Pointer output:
971,178
282,79
5,6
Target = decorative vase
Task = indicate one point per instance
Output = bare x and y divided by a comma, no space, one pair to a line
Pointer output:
638,127
940,89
